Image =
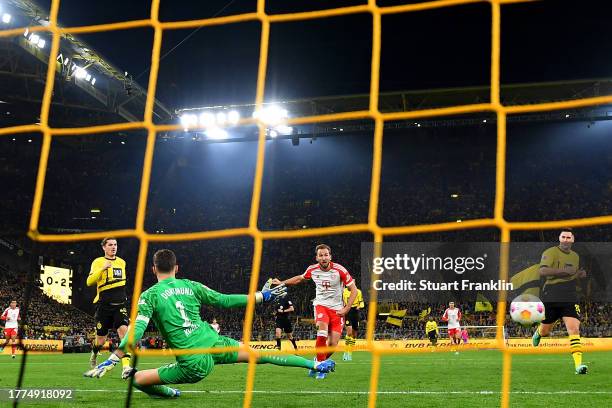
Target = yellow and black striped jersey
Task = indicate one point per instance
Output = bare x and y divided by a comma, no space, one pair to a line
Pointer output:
110,282
358,303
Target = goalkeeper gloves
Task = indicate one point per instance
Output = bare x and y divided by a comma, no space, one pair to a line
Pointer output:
269,294
101,369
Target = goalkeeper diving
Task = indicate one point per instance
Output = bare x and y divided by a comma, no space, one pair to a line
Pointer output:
174,305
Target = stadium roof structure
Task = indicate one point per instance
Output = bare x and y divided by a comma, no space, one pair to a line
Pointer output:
402,101
80,70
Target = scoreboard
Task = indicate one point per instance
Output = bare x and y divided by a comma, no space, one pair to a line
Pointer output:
56,283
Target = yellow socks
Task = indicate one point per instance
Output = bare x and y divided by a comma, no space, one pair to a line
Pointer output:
125,360
576,349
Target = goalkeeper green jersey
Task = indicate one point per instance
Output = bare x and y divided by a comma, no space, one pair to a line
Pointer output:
174,306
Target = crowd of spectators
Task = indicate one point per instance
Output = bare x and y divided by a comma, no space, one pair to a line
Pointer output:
43,318
198,187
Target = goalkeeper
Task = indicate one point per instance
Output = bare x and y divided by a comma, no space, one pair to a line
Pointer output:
174,305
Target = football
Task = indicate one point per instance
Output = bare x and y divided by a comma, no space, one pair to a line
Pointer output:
527,310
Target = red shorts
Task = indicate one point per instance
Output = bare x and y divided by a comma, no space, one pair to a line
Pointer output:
329,316
9,333
454,332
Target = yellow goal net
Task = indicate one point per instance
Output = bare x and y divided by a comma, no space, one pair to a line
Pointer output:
373,113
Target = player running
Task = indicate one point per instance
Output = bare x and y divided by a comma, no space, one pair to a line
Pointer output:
330,279
11,326
108,274
560,267
174,305
452,315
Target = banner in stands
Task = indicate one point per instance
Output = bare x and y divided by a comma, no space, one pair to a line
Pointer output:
48,329
442,343
39,347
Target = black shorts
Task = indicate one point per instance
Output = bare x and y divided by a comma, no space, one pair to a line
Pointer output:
554,311
432,335
285,325
352,318
111,316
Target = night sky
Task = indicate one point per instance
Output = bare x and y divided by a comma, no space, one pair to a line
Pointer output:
449,47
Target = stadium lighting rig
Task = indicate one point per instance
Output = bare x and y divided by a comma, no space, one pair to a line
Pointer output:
5,17
214,120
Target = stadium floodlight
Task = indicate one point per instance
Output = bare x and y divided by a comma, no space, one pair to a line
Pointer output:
93,81
217,133
233,117
41,43
207,119
221,118
284,129
273,133
80,73
88,78
271,115
67,61
6,18
34,38
189,120
454,195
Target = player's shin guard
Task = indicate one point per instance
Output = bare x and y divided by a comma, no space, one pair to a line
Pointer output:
321,342
157,390
288,360
278,343
576,349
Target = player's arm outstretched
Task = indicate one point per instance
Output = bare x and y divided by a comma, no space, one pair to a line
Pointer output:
296,280
146,307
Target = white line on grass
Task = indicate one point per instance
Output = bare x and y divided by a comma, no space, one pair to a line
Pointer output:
407,392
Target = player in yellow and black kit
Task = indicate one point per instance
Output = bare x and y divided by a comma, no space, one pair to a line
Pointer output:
432,331
109,275
560,268
352,321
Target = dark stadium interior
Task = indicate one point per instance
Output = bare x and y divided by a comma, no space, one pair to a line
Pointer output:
433,171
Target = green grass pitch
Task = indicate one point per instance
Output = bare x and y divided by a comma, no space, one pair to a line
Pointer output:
470,379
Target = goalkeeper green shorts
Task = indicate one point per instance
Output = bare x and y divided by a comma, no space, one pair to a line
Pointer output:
193,368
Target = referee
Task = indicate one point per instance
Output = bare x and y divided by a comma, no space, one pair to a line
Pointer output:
352,322
283,322
108,274
559,267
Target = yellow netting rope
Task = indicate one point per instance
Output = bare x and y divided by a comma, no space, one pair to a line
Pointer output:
252,230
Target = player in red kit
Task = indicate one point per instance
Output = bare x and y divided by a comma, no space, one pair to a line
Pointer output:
11,325
452,315
330,279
